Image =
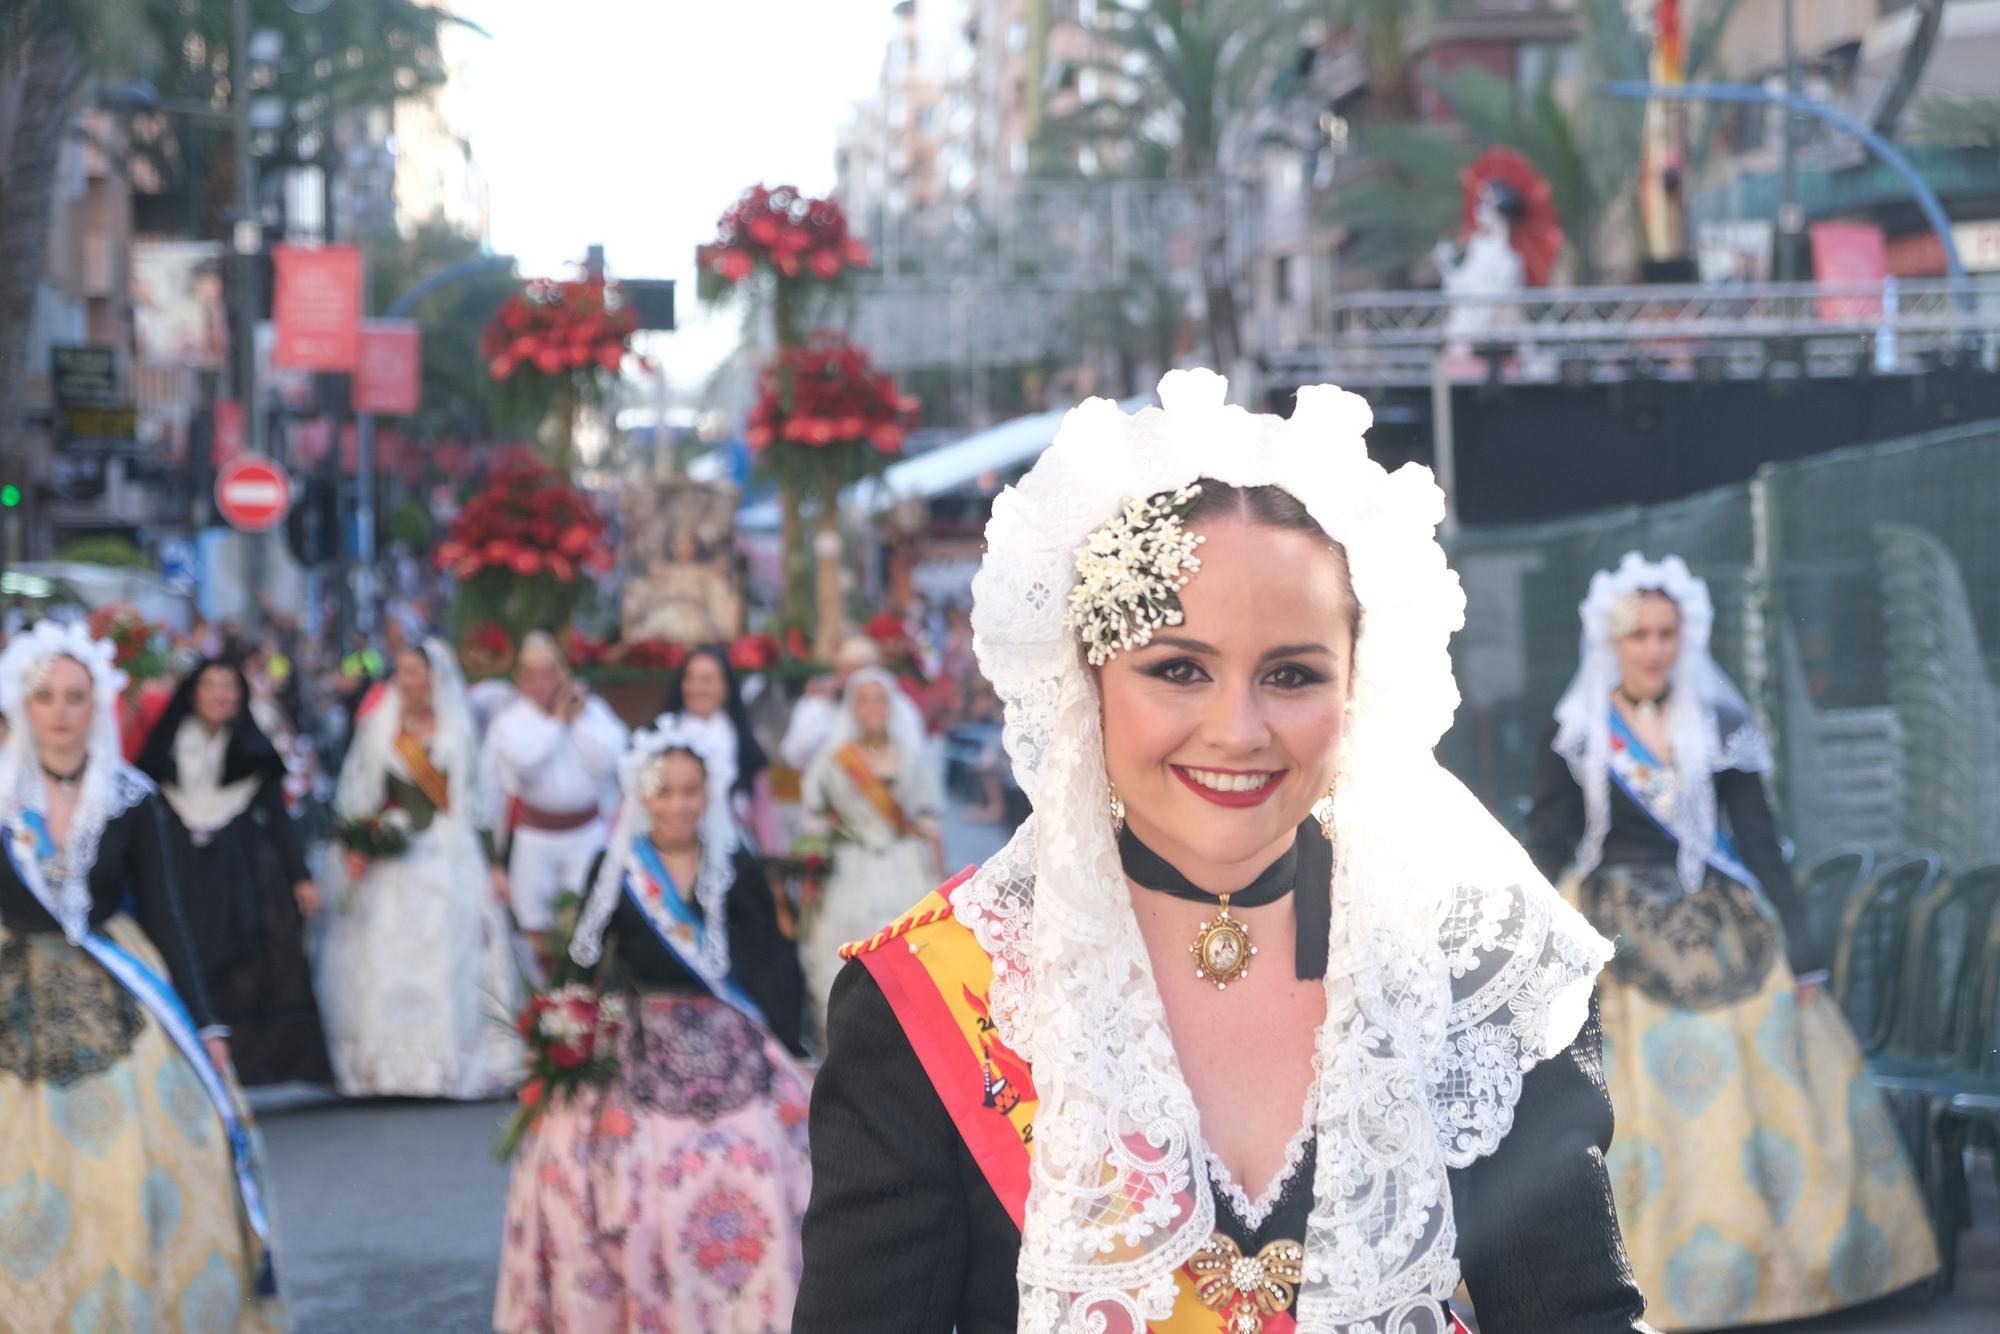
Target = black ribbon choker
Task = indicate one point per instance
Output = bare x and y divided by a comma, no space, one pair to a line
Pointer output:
1307,866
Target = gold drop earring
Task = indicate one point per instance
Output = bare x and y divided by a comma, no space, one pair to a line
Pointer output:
1326,813
1117,810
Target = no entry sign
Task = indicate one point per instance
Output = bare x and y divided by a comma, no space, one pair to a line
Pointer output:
253,494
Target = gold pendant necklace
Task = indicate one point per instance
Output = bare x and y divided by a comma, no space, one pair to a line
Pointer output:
1222,948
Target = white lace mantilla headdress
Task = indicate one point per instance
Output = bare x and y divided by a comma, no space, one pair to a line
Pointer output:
716,749
1707,717
1453,967
110,786
453,748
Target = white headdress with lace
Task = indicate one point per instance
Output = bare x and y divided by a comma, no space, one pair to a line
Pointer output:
1453,967
110,787
905,727
1707,717
453,745
716,749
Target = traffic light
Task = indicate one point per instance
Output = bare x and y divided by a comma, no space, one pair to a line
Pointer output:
10,496
312,529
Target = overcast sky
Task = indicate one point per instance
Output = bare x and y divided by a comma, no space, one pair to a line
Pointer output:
634,123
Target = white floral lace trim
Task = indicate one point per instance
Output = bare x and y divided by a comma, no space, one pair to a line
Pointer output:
1255,1213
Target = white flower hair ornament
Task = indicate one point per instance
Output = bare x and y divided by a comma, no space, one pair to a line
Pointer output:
1446,941
1130,573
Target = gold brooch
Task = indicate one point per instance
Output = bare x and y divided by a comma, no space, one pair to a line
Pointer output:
1222,948
1257,1287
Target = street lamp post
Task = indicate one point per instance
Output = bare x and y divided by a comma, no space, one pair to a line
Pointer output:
249,242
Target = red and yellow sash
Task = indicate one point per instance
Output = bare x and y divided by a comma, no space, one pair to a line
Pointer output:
872,788
936,979
423,773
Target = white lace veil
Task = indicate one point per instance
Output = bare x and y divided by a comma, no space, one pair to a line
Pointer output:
716,749
1453,966
1707,717
453,747
906,728
110,787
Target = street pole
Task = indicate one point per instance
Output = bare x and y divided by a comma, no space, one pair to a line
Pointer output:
1791,220
249,242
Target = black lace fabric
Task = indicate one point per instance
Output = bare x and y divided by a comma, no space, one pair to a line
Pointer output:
1697,951
693,1056
62,1017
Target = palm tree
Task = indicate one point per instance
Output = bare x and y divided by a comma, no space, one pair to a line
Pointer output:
1591,155
1187,69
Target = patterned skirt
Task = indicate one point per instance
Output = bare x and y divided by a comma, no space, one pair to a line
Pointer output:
1757,1173
671,1201
118,1199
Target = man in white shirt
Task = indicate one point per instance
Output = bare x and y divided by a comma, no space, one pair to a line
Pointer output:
550,759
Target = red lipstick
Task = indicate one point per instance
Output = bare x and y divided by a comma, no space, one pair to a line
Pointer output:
1233,800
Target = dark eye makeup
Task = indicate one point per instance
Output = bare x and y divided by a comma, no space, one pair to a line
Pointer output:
1187,672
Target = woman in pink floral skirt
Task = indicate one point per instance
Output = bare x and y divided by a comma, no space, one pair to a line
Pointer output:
670,1198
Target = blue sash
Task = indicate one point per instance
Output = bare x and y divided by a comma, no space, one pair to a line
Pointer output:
164,1005
1722,856
684,934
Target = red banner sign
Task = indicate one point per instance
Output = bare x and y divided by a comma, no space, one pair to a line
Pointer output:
1849,254
389,380
316,307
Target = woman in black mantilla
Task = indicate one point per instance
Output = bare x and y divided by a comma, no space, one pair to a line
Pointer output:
242,871
670,1199
1260,1023
705,694
130,1195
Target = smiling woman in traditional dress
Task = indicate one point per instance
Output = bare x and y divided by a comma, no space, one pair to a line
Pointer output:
1260,1021
1757,1174
129,1189
418,982
242,872
671,1199
873,792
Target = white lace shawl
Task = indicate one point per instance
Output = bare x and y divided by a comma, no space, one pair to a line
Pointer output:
1453,967
1707,717
110,786
205,804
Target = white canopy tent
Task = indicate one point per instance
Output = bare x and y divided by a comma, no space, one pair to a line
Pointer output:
1009,447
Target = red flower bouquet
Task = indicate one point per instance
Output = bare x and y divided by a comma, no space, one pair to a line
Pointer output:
780,230
824,411
754,652
522,550
553,326
572,1034
528,521
135,640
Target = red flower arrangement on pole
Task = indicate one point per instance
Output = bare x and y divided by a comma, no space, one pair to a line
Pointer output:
556,345
522,549
784,231
824,407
